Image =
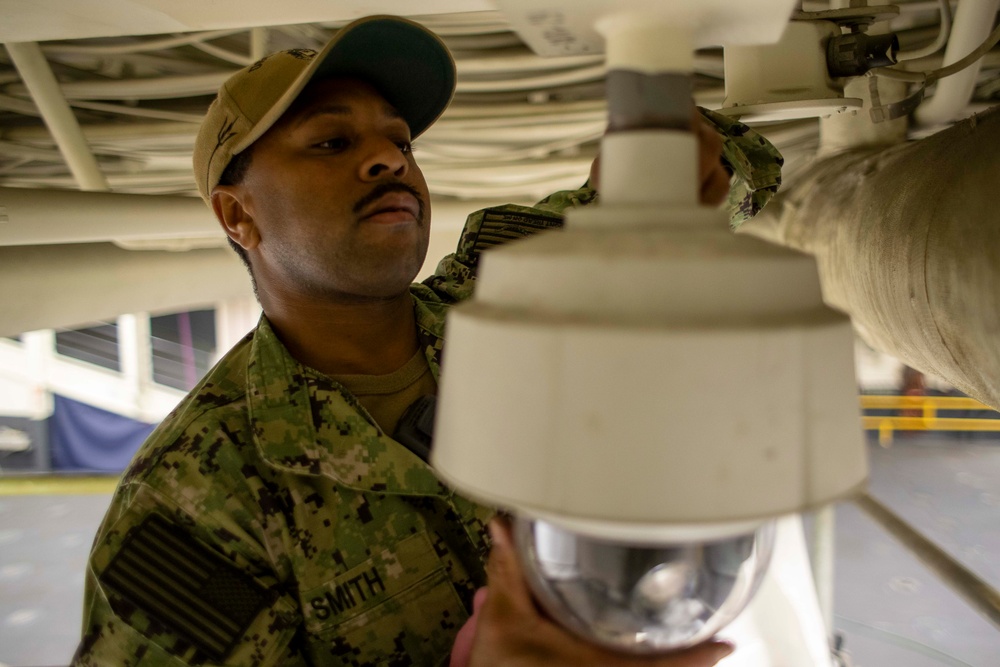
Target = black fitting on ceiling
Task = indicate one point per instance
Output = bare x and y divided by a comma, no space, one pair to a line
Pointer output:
856,53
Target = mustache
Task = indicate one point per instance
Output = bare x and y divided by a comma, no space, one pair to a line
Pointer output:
383,189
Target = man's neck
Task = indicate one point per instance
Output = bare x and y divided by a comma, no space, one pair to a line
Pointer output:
363,337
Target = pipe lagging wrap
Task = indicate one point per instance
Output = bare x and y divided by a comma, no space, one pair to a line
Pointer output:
907,240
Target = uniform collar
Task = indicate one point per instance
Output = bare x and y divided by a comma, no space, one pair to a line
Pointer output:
305,423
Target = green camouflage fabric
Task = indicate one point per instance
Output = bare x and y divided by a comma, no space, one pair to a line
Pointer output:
339,545
269,521
755,163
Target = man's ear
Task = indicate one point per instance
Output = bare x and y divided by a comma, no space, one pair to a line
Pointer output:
236,219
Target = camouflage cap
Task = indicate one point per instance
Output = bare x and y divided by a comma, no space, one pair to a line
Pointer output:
409,65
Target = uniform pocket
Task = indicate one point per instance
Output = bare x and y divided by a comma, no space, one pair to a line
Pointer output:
398,607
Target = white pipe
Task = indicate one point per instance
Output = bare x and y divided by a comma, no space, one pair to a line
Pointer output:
258,43
137,47
59,118
238,59
525,62
824,554
41,217
65,286
157,114
156,88
567,78
942,37
973,22
206,84
46,217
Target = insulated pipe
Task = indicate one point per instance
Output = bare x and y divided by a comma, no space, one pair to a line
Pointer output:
974,20
907,241
44,89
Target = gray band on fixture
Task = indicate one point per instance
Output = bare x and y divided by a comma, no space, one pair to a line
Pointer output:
639,101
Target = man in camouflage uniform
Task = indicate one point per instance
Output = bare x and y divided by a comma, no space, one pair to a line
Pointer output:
271,519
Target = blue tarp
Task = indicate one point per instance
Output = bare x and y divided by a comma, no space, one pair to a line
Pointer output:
83,437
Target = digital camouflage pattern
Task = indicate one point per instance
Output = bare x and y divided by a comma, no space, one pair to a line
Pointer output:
755,163
269,521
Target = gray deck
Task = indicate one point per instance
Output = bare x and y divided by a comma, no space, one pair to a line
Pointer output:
892,611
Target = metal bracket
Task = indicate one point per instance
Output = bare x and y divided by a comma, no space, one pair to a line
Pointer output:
851,17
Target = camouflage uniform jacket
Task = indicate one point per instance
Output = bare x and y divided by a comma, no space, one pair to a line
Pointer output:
269,521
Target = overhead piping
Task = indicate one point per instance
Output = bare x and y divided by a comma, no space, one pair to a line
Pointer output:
942,37
59,118
974,19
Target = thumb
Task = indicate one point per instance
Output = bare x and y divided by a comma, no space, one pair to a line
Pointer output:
508,588
707,654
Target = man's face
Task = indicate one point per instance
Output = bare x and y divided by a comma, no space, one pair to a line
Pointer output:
341,208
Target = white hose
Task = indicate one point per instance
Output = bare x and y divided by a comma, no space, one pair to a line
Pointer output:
138,46
582,75
939,41
158,88
223,54
524,62
517,134
140,112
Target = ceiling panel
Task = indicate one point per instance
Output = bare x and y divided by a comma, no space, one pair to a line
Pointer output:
41,20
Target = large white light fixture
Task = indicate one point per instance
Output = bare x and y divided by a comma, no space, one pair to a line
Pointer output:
645,390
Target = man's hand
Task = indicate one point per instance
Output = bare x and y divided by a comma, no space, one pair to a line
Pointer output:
712,176
510,631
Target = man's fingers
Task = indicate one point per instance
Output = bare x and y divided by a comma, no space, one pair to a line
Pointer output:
710,146
479,598
595,173
715,187
510,627
713,177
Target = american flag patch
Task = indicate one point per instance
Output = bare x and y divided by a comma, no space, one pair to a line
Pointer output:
184,585
500,226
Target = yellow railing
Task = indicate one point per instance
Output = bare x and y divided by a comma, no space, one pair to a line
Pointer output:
57,485
928,407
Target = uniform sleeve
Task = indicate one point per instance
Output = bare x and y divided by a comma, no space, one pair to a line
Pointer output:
163,588
755,163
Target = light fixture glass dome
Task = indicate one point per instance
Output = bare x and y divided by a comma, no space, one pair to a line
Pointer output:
641,598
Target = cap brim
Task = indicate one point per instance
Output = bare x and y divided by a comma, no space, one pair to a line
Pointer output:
409,65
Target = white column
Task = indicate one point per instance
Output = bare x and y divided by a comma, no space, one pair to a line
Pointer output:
135,357
824,554
39,348
233,319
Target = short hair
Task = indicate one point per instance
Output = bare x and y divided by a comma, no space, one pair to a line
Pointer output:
233,174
